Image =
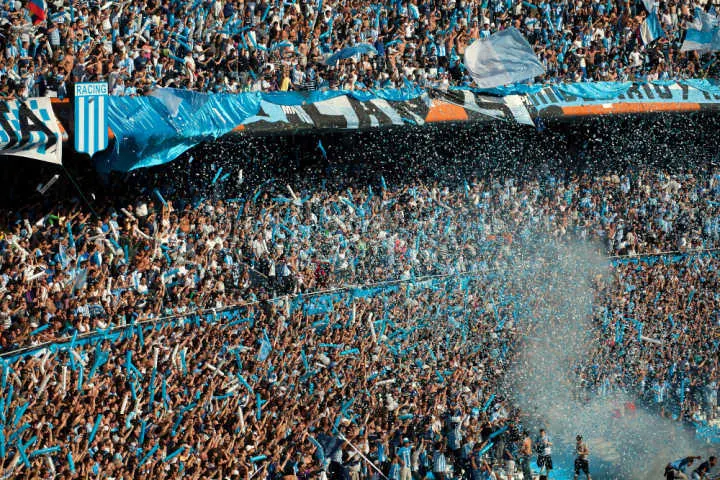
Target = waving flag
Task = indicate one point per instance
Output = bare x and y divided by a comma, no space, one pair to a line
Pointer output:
502,58
651,30
38,11
347,52
650,5
703,21
414,11
700,41
705,34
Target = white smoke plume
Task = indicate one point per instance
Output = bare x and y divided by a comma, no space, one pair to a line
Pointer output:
558,285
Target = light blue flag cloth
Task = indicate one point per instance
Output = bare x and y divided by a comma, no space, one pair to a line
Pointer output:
650,5
705,21
704,85
347,52
702,41
502,58
265,348
651,30
703,34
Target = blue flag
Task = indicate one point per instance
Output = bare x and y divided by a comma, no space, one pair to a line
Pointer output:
701,41
651,30
704,36
265,348
347,52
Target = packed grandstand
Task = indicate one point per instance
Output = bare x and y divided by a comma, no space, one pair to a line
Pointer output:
514,302
235,46
215,337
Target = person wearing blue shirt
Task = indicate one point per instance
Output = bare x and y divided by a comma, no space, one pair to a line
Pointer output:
481,470
701,473
439,462
382,453
543,446
395,468
405,454
454,436
676,469
476,461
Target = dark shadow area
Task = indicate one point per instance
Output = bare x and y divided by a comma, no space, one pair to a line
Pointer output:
446,154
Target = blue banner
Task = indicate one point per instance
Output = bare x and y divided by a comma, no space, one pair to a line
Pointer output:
158,128
704,85
594,90
700,92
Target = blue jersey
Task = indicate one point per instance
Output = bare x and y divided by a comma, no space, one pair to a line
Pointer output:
483,475
382,454
455,438
681,464
406,455
439,465
394,471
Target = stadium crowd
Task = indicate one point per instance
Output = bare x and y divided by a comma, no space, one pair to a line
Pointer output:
422,358
155,258
233,46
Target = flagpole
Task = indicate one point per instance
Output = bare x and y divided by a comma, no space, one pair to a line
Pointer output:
77,187
342,437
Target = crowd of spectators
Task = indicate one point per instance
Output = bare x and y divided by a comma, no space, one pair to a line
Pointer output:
207,393
73,270
271,382
234,46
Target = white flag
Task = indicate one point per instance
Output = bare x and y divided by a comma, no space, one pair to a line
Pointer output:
504,57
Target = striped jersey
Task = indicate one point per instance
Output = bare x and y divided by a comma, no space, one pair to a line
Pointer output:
406,455
439,464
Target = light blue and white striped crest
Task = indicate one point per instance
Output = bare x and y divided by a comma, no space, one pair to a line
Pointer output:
91,131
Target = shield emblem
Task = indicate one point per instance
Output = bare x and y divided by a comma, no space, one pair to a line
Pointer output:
91,131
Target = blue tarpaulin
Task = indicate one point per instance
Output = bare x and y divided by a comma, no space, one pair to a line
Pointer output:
157,129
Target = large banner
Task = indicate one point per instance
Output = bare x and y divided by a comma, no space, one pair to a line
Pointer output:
347,112
592,99
29,129
158,128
